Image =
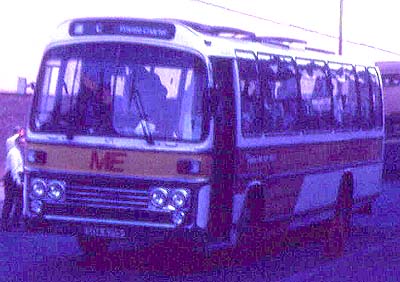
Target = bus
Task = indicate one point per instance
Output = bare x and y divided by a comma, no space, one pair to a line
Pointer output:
390,72
174,132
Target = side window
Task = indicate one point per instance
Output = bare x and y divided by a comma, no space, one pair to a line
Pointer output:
280,92
366,100
345,98
315,94
376,96
250,98
391,80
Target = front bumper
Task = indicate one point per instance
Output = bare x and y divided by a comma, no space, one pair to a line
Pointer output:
117,231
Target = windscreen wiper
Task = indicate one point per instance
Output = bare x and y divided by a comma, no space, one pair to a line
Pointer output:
144,122
69,130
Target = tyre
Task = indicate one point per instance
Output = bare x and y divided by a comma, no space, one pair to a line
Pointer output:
256,238
338,229
92,245
366,209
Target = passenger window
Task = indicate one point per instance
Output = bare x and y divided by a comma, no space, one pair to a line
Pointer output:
251,102
376,96
280,92
315,94
345,99
390,80
366,100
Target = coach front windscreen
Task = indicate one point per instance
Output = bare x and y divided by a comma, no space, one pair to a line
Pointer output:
114,89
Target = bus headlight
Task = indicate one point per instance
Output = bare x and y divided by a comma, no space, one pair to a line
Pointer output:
56,190
38,188
159,197
179,198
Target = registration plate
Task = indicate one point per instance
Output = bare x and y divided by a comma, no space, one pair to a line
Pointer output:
108,232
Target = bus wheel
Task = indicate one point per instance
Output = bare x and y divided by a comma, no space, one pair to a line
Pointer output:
338,230
366,209
92,245
255,238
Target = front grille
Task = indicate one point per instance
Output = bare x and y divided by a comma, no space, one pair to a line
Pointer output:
107,197
107,203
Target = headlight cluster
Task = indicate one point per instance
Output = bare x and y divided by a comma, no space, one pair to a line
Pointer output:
175,200
45,190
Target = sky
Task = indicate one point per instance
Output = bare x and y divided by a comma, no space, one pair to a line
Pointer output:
26,26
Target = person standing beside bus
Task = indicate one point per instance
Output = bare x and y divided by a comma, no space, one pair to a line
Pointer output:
13,182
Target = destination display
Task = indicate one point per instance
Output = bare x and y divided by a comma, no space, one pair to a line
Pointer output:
122,27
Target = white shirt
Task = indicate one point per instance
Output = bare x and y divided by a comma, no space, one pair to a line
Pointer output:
14,161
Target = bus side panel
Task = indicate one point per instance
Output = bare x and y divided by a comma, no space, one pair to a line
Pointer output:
317,198
303,180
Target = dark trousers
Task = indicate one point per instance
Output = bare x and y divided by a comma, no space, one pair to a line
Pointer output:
12,207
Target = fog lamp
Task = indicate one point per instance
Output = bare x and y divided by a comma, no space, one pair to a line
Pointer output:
178,217
36,206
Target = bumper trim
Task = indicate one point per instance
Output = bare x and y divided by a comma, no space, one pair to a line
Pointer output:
108,221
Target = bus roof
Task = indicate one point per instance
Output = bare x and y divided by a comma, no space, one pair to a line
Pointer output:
209,40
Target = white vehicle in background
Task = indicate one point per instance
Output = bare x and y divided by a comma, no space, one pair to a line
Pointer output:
390,72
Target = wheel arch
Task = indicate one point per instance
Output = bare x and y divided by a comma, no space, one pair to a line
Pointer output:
253,194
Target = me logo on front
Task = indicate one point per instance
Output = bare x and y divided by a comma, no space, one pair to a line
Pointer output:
107,161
